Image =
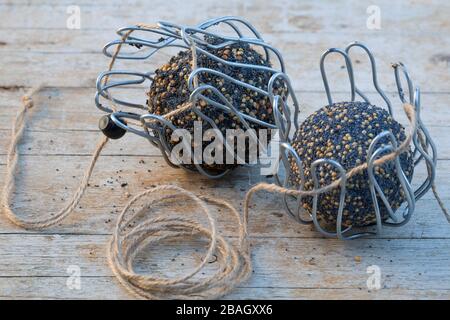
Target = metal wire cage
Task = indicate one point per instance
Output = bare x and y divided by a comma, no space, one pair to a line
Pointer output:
152,40
423,149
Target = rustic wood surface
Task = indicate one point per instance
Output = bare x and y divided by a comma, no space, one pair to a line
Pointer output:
290,260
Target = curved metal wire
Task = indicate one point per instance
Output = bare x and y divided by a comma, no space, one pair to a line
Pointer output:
374,75
349,66
287,155
146,41
419,152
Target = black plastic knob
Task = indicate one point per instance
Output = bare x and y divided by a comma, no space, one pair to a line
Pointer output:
110,128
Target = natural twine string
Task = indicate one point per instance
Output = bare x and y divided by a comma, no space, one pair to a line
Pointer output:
234,263
433,185
11,168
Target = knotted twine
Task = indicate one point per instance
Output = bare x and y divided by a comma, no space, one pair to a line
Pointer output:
234,263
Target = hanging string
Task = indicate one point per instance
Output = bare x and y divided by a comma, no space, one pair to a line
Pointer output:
11,168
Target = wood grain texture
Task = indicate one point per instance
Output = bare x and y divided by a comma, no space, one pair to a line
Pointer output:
301,54
291,261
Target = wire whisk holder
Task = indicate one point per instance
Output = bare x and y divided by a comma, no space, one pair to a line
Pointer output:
341,209
221,78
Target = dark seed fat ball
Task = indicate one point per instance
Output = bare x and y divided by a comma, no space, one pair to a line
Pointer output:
169,90
343,132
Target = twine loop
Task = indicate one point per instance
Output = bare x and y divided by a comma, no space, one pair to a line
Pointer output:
148,229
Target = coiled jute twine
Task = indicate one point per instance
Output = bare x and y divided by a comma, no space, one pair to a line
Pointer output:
128,239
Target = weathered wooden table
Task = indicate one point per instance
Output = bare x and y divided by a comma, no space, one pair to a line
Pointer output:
290,261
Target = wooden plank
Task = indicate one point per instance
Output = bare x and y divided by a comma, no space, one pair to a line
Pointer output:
44,184
107,288
278,263
62,127
294,16
87,40
74,108
82,143
427,63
